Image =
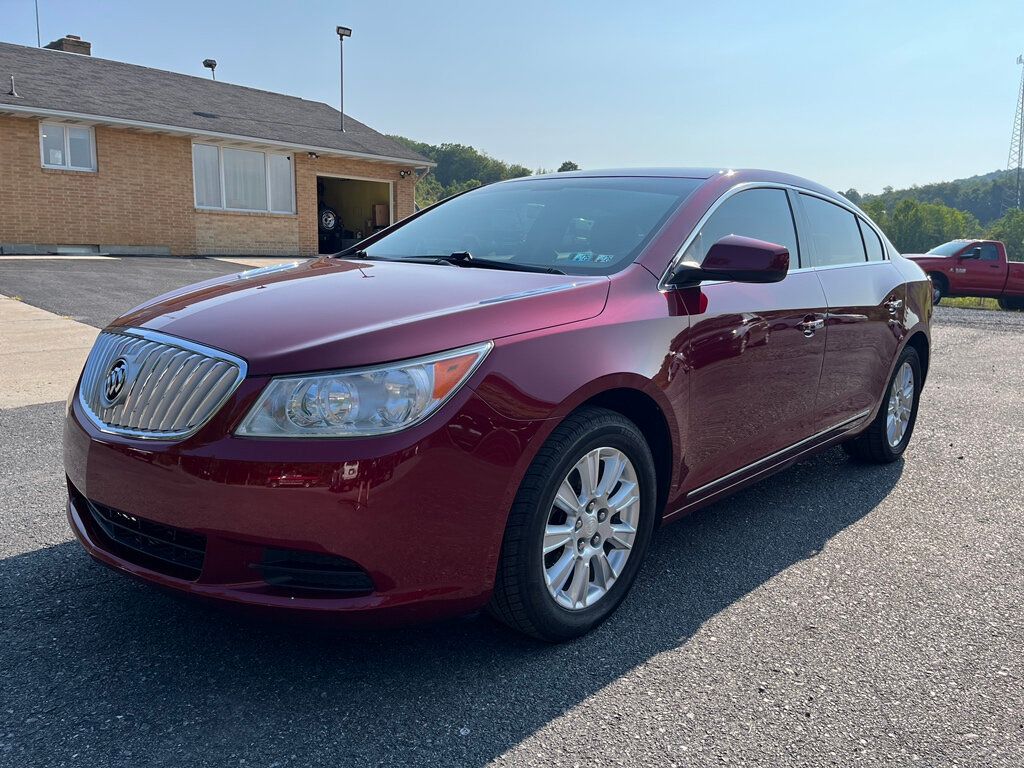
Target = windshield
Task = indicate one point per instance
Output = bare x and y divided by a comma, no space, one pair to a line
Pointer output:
948,249
578,225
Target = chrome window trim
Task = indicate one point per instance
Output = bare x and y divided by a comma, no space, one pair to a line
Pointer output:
735,190
176,341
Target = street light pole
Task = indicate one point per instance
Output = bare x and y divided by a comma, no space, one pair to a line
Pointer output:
343,32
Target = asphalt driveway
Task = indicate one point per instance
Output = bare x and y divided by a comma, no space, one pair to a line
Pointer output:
835,614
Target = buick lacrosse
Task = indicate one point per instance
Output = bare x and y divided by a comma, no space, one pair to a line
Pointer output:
495,402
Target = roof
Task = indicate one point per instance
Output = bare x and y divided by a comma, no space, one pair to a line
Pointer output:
89,88
675,173
722,175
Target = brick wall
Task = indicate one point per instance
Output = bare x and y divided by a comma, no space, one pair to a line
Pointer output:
142,195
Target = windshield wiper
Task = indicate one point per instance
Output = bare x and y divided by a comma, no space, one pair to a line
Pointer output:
457,259
466,259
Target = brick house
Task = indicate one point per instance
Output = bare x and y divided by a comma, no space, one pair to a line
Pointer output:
106,157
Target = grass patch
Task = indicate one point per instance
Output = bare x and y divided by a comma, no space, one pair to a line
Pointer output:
970,302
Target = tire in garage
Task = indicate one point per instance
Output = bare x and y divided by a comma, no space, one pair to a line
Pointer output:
327,219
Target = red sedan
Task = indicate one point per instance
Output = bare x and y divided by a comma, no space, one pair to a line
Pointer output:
494,403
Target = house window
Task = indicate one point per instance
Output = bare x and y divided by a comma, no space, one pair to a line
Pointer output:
242,179
72,147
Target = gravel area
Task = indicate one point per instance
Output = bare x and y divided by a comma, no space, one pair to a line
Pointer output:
835,614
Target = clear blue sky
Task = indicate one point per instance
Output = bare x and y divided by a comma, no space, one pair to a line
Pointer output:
858,94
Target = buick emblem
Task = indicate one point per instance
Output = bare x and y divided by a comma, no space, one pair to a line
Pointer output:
114,383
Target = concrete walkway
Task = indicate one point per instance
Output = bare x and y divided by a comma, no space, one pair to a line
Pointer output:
41,354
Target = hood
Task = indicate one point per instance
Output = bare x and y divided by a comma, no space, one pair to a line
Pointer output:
924,257
336,313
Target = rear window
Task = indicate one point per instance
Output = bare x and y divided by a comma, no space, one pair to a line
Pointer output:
578,225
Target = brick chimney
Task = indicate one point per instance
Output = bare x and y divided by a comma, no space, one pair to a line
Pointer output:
71,44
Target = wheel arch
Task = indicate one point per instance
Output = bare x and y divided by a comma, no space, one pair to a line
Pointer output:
941,279
644,411
919,341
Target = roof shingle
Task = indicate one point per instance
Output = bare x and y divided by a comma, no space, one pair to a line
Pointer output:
54,80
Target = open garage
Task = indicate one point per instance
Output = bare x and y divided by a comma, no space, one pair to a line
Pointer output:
349,209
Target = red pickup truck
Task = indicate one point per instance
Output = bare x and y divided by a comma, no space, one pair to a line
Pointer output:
973,268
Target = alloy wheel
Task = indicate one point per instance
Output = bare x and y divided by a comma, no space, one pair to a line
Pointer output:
901,404
591,528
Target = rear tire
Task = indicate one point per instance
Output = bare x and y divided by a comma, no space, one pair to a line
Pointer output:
522,597
1012,304
875,445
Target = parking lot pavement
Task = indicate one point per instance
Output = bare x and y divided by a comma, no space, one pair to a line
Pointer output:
834,614
95,291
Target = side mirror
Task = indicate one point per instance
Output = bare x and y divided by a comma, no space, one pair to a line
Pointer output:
741,259
974,253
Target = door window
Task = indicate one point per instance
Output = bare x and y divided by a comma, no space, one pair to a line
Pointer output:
763,214
834,233
989,252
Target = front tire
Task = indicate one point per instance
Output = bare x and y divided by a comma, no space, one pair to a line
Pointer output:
886,439
940,287
578,529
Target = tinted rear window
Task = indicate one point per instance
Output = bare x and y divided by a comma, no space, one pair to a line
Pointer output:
578,225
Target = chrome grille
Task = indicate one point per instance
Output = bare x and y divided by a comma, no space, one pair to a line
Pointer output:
171,389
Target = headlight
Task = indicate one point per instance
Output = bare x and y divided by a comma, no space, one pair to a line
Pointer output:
366,401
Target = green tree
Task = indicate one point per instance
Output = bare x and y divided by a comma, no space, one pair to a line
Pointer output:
1010,230
916,227
459,167
568,165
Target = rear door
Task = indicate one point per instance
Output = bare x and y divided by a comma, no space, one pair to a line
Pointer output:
866,295
754,351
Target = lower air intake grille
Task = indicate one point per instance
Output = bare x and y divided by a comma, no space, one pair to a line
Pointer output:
294,570
158,547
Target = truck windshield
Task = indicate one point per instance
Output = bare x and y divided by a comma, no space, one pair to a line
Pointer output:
577,225
948,249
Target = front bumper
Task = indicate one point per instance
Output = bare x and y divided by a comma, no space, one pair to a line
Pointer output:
421,512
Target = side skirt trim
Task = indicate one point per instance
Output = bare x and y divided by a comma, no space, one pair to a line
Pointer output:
745,473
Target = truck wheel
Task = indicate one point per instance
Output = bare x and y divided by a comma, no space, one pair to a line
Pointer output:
578,529
940,287
1012,304
886,438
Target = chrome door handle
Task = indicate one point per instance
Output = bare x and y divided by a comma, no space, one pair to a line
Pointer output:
894,306
810,325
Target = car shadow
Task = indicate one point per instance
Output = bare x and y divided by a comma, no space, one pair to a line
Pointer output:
101,668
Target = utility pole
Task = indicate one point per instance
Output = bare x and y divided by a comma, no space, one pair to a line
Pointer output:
39,39
343,32
1015,164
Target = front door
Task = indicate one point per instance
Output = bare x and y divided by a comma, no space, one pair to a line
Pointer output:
754,352
982,273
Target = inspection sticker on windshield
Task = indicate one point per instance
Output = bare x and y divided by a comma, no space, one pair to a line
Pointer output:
583,256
